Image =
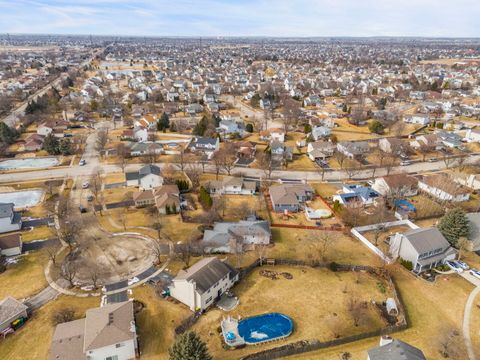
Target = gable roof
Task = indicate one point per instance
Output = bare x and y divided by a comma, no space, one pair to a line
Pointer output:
426,239
10,241
10,307
206,273
289,193
396,350
67,341
6,210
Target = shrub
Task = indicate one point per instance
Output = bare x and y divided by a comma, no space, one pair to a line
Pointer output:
63,315
333,266
406,264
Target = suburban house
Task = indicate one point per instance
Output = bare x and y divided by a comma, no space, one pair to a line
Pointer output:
474,233
290,197
205,146
147,178
34,142
430,141
11,244
203,283
400,185
280,152
471,181
10,310
10,220
320,132
273,134
425,248
312,100
393,349
231,185
450,139
55,127
147,121
353,149
394,146
163,197
106,332
421,119
320,150
473,135
245,152
228,127
139,149
233,237
354,194
441,187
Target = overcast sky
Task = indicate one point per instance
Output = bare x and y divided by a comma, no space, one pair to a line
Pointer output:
453,18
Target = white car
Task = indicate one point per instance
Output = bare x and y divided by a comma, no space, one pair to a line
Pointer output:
454,266
82,162
85,185
475,272
462,264
405,163
133,280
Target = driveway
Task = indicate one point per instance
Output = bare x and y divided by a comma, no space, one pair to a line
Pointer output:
38,244
36,222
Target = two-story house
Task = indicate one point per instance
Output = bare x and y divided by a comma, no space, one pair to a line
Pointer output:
290,197
147,178
425,248
205,146
10,220
106,333
202,284
441,187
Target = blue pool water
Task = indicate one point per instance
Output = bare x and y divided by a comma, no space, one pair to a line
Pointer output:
266,327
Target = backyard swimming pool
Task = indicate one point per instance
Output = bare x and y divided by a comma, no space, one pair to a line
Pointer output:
29,163
262,328
22,199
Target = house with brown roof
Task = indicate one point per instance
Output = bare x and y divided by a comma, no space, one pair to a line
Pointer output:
441,187
400,185
34,142
290,197
163,197
11,244
107,332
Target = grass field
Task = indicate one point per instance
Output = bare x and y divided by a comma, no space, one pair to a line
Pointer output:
25,278
309,292
38,233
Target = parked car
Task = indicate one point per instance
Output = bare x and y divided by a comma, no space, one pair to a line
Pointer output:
82,162
454,266
405,163
85,185
463,265
133,280
433,159
475,272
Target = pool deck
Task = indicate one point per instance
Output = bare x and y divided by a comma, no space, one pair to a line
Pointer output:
231,325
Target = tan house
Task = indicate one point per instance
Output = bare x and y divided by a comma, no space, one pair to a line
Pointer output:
107,332
162,197
441,187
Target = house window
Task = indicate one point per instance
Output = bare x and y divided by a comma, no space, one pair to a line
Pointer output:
119,345
114,357
208,300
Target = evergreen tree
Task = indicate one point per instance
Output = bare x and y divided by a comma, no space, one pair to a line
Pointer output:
205,198
249,128
345,108
189,346
163,123
65,147
51,145
7,134
376,127
454,225
307,129
201,126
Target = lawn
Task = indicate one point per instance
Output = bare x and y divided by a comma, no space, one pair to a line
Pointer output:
25,278
295,298
38,233
33,340
118,194
156,323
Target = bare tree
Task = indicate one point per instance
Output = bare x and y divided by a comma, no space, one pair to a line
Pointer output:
63,315
180,158
94,277
69,231
243,210
52,252
193,172
123,155
219,204
102,140
356,309
228,157
450,343
69,271
340,157
291,113
265,163
96,182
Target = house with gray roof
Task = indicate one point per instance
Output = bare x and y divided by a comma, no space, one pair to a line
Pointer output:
394,349
147,178
10,310
353,149
106,332
202,284
233,237
425,248
290,197
204,145
474,233
10,220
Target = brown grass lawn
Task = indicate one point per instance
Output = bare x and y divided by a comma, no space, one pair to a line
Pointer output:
426,207
233,202
114,178
302,162
33,340
118,194
38,233
307,299
156,323
25,278
38,211
325,190
370,235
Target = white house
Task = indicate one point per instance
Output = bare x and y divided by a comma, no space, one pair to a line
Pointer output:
206,146
9,219
443,188
106,333
319,132
399,185
140,134
147,178
421,119
473,135
231,185
353,149
202,284
320,150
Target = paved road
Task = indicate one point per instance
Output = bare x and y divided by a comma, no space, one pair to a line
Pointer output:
333,175
36,222
44,296
11,119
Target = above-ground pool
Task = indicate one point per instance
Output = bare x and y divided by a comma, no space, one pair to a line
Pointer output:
29,163
262,328
22,199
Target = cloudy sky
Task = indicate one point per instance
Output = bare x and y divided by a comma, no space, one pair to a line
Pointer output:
454,18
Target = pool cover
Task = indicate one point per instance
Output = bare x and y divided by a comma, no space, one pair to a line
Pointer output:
266,327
